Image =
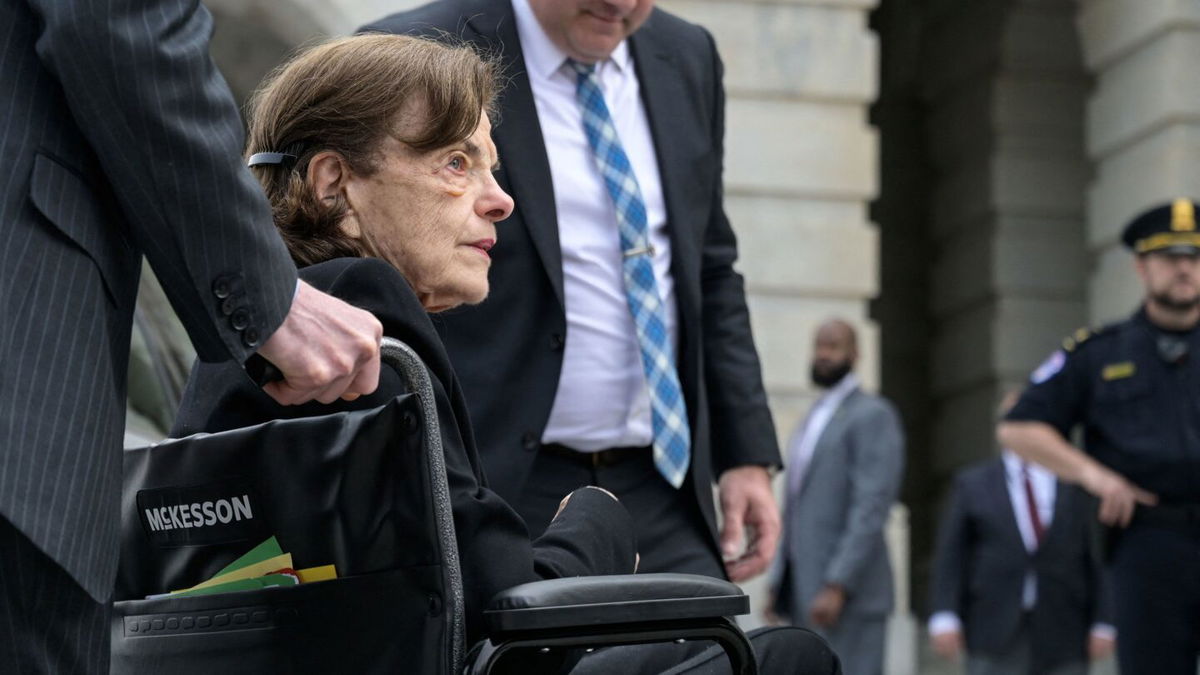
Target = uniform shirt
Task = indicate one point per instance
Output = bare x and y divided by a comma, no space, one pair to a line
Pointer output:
1140,413
804,441
602,400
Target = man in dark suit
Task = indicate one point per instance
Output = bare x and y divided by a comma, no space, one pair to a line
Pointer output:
1016,577
119,139
615,270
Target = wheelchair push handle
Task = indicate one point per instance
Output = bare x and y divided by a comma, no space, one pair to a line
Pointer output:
263,372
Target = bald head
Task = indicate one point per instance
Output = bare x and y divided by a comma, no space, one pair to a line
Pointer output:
835,350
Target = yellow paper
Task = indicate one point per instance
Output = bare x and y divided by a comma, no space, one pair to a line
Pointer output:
322,573
248,572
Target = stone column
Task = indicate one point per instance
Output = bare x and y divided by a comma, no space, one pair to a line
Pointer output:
1143,129
1006,90
801,166
800,169
989,96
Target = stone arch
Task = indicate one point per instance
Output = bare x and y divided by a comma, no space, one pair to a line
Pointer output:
982,214
1143,129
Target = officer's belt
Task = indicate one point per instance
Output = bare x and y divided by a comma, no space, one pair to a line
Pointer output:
1179,516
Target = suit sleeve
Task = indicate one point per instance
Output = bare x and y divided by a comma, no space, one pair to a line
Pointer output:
951,555
162,122
742,429
876,465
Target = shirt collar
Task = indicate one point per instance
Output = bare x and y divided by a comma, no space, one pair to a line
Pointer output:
1012,466
1012,463
542,57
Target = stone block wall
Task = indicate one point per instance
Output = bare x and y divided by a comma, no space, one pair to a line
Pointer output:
800,168
1143,128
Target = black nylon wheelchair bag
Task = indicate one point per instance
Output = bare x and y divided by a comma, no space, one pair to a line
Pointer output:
348,489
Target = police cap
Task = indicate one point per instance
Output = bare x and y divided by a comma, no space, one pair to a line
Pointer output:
1168,227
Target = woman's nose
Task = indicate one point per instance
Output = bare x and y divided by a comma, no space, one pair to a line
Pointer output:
496,204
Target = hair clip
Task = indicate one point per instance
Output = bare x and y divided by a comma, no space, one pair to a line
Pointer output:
287,156
260,158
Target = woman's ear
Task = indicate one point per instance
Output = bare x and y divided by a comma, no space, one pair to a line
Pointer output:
328,174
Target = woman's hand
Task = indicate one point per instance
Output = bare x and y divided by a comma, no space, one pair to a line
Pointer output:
637,557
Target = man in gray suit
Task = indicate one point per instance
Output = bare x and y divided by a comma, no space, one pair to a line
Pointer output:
844,468
118,139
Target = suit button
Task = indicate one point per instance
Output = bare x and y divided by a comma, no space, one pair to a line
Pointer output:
250,336
222,288
557,341
240,319
529,441
228,305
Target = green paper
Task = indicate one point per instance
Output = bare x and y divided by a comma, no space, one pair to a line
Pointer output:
268,549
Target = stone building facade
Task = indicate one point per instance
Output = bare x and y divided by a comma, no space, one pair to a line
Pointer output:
949,175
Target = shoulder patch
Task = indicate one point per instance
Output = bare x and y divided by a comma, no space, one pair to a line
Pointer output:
1050,367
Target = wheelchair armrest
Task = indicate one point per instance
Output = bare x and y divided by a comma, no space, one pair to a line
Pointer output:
617,599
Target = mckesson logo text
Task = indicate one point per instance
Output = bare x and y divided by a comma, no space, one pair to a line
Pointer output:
199,514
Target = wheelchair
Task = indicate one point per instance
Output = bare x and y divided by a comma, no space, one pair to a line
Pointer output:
365,490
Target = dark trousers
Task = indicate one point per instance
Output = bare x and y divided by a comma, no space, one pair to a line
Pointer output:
48,623
1156,585
671,533
1017,659
779,651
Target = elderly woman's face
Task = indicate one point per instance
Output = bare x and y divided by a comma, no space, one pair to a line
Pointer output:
433,215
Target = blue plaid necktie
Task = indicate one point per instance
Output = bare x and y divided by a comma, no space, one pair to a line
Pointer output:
668,414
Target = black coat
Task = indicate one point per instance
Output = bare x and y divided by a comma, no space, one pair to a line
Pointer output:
525,318
593,535
981,561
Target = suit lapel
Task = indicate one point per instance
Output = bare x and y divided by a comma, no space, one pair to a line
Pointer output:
1062,499
518,138
831,431
666,102
1002,503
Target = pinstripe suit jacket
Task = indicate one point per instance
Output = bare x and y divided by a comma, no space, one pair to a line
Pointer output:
118,138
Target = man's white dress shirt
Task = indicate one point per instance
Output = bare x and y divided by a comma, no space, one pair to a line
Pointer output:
602,399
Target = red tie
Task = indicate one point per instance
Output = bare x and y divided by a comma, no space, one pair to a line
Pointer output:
1034,517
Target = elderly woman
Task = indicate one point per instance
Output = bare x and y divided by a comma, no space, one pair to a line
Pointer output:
376,156
385,196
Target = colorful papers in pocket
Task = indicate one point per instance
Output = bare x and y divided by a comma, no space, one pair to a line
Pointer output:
264,566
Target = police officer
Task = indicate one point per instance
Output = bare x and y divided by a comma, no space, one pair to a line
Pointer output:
1135,388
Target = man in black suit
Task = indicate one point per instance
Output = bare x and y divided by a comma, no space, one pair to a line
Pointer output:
119,139
611,132
1016,577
